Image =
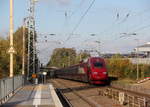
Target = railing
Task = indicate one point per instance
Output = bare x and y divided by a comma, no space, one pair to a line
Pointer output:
140,60
135,88
9,85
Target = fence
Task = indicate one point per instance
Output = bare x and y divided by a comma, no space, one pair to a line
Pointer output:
140,60
8,86
128,99
134,88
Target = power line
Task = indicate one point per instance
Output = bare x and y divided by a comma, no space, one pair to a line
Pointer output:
82,17
142,28
75,11
133,32
125,19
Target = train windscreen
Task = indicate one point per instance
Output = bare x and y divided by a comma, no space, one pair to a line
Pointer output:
98,64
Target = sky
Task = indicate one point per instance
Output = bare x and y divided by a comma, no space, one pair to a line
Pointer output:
107,20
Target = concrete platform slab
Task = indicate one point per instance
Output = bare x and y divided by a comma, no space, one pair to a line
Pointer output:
35,96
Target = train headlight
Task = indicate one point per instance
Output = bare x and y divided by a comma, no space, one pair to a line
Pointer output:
104,72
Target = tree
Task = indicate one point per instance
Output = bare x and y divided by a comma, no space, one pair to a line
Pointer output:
123,68
62,57
82,55
18,45
4,56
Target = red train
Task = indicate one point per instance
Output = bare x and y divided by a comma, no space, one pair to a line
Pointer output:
93,71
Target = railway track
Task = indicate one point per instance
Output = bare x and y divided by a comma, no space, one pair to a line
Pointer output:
82,94
65,89
84,98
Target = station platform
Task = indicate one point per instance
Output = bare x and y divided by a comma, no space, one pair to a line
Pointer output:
41,95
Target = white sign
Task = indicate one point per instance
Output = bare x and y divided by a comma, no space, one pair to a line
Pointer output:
121,97
11,50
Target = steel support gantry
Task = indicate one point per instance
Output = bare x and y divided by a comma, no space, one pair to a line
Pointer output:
31,57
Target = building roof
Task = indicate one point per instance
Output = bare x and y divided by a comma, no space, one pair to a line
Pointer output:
143,48
145,45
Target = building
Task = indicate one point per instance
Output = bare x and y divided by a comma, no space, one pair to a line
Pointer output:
145,49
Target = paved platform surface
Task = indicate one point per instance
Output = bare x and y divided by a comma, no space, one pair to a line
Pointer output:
35,96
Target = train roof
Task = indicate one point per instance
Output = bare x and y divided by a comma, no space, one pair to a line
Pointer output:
96,58
83,62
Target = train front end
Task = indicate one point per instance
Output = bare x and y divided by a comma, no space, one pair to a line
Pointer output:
97,71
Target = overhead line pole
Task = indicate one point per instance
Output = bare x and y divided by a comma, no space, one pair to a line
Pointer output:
23,48
11,49
137,65
31,41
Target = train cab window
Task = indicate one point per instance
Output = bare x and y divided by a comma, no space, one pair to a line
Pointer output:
98,64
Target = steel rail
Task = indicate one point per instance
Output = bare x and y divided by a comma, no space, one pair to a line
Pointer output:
74,91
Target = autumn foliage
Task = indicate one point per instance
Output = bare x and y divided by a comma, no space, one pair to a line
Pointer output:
4,55
122,68
64,57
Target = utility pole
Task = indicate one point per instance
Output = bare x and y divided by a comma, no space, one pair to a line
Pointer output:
23,47
99,45
11,50
69,61
137,55
80,56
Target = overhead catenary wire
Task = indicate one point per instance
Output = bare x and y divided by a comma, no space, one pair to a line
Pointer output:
75,11
80,20
117,15
68,16
133,32
115,23
124,20
140,29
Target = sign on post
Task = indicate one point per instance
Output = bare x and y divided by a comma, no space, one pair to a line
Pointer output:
44,73
34,76
121,97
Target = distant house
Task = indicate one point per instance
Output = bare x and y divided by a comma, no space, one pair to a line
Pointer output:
144,49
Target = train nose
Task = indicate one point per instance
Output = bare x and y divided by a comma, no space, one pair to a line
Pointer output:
99,70
100,73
